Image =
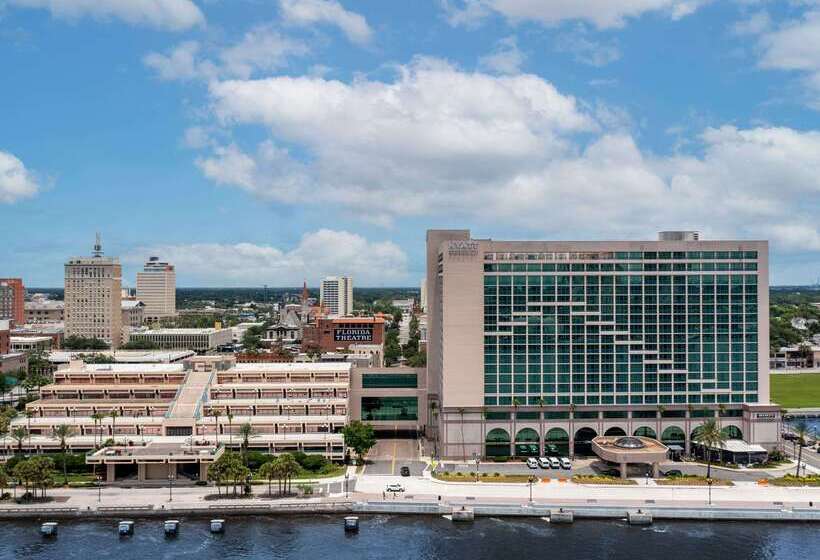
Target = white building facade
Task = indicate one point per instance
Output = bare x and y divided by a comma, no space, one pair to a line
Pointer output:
157,289
336,296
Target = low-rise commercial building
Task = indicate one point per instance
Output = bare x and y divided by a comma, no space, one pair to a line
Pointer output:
337,334
55,331
44,311
393,400
12,300
30,343
201,402
200,340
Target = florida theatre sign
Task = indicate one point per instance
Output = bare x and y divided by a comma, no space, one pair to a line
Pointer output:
353,334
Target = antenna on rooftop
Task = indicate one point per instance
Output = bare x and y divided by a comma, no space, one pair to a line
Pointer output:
98,252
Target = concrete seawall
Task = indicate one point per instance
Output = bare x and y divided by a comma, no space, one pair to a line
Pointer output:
415,508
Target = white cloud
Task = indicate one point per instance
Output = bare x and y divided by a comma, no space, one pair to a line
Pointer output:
792,45
16,182
586,50
330,12
261,49
506,58
437,141
173,15
754,24
319,253
600,13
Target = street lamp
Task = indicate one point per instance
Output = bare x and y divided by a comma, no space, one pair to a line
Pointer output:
709,483
99,488
531,480
347,477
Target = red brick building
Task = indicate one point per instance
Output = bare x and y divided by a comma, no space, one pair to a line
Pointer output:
5,335
12,300
329,335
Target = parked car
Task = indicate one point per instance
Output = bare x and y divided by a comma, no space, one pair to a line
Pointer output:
544,463
555,463
405,471
532,463
565,463
672,472
395,488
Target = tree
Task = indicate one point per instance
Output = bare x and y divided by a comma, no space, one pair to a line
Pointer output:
19,434
114,414
269,471
140,344
230,427
289,468
360,437
216,413
97,417
710,436
35,473
61,434
246,432
82,343
4,481
228,469
801,430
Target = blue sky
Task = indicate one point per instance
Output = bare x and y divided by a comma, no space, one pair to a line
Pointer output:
260,142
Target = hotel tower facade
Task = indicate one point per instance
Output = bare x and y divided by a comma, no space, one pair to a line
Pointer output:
539,345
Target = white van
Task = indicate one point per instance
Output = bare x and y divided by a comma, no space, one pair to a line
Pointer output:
532,463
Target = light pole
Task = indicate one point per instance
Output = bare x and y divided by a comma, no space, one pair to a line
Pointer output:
532,479
170,478
709,483
99,488
347,477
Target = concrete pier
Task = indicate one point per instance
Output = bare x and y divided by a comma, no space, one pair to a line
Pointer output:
462,514
561,516
639,518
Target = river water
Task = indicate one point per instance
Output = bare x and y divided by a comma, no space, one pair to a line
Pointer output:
413,537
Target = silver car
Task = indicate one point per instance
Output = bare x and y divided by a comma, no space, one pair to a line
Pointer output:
565,463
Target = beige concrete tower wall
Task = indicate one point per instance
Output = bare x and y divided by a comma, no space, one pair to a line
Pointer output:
93,299
157,290
462,326
435,238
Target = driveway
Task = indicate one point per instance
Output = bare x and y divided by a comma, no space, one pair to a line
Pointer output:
388,456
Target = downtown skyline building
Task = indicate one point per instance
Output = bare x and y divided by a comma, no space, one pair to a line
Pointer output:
93,297
539,345
157,288
336,296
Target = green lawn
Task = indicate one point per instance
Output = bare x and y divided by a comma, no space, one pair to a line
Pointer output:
801,390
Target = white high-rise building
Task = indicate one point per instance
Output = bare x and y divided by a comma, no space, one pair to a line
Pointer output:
157,289
423,298
336,296
93,297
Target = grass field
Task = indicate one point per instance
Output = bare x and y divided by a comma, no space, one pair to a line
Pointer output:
801,390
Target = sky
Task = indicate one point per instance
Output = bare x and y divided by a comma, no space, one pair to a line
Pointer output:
255,142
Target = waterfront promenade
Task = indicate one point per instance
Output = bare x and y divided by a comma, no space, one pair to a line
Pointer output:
426,495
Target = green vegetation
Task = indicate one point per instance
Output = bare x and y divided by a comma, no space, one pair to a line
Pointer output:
140,344
602,479
691,480
360,437
228,471
484,477
411,349
35,474
800,390
83,343
791,480
711,437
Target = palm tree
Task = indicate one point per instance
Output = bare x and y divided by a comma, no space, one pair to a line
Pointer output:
721,412
114,414
289,468
97,417
541,435
19,434
216,414
483,429
710,436
230,427
29,415
661,410
269,471
572,429
463,448
801,430
516,403
246,431
61,433
688,435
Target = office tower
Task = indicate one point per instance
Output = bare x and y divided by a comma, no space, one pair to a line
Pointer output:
336,296
93,297
157,289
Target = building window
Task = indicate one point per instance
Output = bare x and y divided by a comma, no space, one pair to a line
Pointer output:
390,408
390,381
